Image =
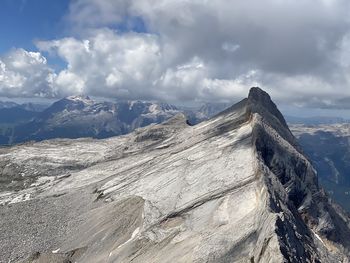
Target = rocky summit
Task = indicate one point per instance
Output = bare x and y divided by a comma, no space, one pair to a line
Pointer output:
235,188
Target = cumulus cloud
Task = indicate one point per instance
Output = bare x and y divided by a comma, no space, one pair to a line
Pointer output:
213,50
108,64
135,65
25,74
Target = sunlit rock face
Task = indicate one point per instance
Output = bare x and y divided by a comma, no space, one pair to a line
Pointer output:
235,188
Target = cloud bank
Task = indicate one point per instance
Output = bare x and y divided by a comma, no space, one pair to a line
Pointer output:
193,50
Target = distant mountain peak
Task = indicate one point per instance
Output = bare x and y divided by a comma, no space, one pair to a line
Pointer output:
80,98
179,120
259,95
260,102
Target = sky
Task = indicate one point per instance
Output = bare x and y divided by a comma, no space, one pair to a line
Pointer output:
185,51
23,21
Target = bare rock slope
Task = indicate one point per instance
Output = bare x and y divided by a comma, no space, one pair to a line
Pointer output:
236,188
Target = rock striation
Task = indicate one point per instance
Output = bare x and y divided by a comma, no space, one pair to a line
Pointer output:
235,188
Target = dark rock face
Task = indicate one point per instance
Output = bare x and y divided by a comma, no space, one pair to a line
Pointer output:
291,172
307,202
294,175
260,102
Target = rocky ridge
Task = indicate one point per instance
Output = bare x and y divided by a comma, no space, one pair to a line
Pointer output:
235,188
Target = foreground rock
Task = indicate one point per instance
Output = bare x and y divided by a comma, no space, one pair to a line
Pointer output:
236,188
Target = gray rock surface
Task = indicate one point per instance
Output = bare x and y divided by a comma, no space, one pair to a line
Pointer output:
235,188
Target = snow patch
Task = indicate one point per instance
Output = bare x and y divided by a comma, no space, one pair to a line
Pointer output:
318,237
83,99
133,235
56,251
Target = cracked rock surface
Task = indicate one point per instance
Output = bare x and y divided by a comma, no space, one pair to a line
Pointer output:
236,188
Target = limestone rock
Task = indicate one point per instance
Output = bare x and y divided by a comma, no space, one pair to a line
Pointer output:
235,188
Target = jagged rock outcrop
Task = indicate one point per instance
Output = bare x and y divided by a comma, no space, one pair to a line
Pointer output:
236,188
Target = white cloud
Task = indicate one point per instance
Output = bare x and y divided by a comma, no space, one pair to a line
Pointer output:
95,13
108,64
134,65
25,74
195,50
69,83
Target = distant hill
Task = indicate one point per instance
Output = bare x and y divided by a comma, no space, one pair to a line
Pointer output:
315,120
328,146
13,114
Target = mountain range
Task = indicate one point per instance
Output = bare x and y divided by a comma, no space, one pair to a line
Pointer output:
12,114
316,120
80,116
234,188
328,146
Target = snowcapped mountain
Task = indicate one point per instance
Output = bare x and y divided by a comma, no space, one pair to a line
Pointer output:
235,188
79,116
